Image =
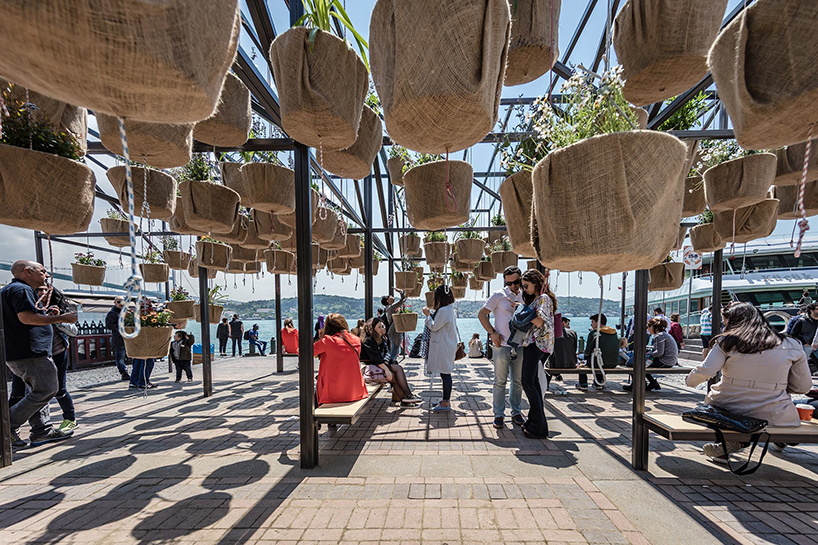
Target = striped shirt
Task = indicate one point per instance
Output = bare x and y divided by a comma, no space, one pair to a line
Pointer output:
706,323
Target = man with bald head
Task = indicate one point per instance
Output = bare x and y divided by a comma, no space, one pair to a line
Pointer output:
27,332
112,323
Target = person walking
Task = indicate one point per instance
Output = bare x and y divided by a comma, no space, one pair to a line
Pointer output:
252,337
395,337
706,329
676,330
502,304
806,327
112,324
289,336
443,339
59,353
223,334
236,333
28,339
608,345
180,354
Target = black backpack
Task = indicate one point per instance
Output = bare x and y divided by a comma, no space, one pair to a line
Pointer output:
246,335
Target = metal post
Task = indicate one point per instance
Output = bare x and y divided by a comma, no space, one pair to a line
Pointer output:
368,253
280,343
640,447
689,297
391,196
5,420
622,324
38,247
204,316
717,269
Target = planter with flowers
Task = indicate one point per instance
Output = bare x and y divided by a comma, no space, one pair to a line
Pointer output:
436,248
208,206
154,336
497,220
433,282
180,304
212,253
115,222
405,320
214,307
410,245
734,177
502,256
176,259
406,279
469,246
153,269
88,270
704,236
459,280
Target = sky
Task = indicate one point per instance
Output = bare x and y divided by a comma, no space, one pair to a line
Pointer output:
19,243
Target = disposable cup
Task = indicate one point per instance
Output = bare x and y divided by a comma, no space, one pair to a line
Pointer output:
805,411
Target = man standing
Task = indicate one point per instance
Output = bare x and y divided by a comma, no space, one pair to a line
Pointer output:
236,333
608,345
223,333
706,329
28,338
111,322
395,337
805,328
503,303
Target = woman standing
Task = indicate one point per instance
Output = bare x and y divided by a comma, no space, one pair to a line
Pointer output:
538,344
180,354
442,342
375,353
223,334
339,373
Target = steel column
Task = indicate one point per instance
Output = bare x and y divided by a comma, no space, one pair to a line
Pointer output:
391,271
368,253
38,247
718,269
5,422
639,447
280,343
204,316
622,324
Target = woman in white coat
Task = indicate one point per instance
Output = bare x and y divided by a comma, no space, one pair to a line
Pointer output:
759,367
443,340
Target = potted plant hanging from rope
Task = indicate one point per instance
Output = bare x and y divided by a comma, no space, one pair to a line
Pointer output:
501,256
352,247
747,223
666,276
193,269
321,82
438,192
215,309
155,333
484,270
534,44
469,246
32,150
177,221
212,253
355,162
787,196
87,269
240,254
497,220
410,244
790,166
230,124
405,320
208,206
475,283
704,236
325,226
734,177
153,269
407,277
459,293
269,227
159,187
458,279
278,261
251,239
436,248
159,145
115,222
376,262
176,259
396,164
180,304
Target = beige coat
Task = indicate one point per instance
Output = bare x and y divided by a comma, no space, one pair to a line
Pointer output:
757,385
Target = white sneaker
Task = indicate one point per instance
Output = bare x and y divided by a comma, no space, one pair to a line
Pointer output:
715,450
777,447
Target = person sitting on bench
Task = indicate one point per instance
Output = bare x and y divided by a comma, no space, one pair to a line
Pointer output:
339,373
252,337
665,353
289,336
759,367
380,368
608,345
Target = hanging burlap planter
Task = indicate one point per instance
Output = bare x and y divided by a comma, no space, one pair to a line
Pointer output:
439,68
501,260
239,254
395,167
182,310
358,262
288,244
212,256
269,187
470,250
531,264
235,267
62,207
625,186
406,280
739,182
231,177
151,343
375,267
315,200
352,247
458,265
680,238
251,239
705,238
208,206
694,201
230,125
238,233
278,261
321,86
429,205
475,284
517,194
355,162
533,47
269,227
790,165
337,265
662,45
87,275
405,322
178,261
494,236
155,144
415,292
788,200
437,268
324,226
193,270
459,293
430,299
154,272
214,313
484,271
764,66
410,245
177,221
252,268
460,281
751,222
339,241
666,277
319,257
160,188
437,253
112,225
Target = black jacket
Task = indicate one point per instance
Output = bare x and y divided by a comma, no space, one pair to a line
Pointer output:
804,329
373,353
112,323
184,349
565,351
223,331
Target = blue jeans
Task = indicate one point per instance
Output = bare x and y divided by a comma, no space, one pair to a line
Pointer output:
119,356
394,350
261,345
136,373
502,364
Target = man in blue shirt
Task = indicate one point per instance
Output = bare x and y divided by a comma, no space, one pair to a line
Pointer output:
27,332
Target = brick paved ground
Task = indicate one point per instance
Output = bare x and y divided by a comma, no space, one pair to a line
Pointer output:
175,467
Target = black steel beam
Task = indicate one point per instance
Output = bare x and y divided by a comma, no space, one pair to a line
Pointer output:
280,341
640,446
378,181
368,252
487,189
600,51
204,311
263,23
254,144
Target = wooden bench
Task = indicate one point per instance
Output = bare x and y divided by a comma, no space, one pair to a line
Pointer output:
346,413
678,370
674,428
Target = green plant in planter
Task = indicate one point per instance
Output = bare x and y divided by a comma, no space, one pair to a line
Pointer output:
500,245
213,240
715,152
705,217
149,318
169,243
179,294
436,236
467,234
318,15
215,295
153,256
687,116
498,220
22,128
252,156
405,308
116,215
372,100
199,168
88,259
455,275
407,264
377,256
434,281
396,151
486,257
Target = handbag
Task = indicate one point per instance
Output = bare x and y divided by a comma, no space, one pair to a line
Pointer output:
373,373
558,325
720,420
461,352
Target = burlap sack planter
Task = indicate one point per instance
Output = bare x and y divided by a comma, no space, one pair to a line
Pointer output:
475,284
358,262
666,277
739,182
212,256
178,261
439,68
320,257
324,228
788,200
337,265
289,219
177,221
437,268
240,254
288,244
460,281
437,253
763,64
210,207
214,313
160,188
405,322
63,207
533,47
410,245
154,272
269,187
470,250
193,270
338,242
375,266
531,264
593,199
230,125
270,257
395,167
182,310
459,293
501,260
87,275
694,201
484,271
252,268
459,266
111,225
355,162
662,45
251,239
430,299
238,233
751,222
705,238
269,226
790,165
406,280
231,177
415,292
155,144
516,193
235,267
151,343
680,238
285,262
321,88
494,236
352,247
428,204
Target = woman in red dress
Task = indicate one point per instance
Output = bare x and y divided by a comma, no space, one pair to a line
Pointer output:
289,336
339,373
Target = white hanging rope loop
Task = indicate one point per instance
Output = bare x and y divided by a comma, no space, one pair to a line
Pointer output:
803,224
133,286
596,355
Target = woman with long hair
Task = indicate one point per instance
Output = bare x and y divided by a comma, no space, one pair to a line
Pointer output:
375,353
443,339
289,337
537,346
759,367
339,373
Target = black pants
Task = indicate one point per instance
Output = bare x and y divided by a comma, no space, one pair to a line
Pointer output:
583,379
236,341
447,386
223,345
536,423
183,365
18,388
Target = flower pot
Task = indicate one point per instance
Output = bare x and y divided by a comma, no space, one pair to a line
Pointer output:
457,265
177,222
214,313
517,193
240,254
459,293
252,268
64,207
740,182
269,226
352,247
415,292
475,283
111,225
208,206
178,261
315,200
788,200
154,272
460,281
231,177
406,280
152,342
357,262
355,162
339,241
182,310
405,322
394,165
666,277
427,56
159,145
625,185
694,201
790,165
494,236
269,187
531,264
324,226
410,245
484,271
193,270
437,268
501,260
470,250
230,125
88,275
375,266
662,45
680,238
239,232
763,65
251,239
161,191
430,299
337,265
705,238
235,267
429,205
533,47
278,261
321,88
212,256
437,253
320,257
748,223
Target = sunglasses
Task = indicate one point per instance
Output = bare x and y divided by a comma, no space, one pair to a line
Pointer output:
514,282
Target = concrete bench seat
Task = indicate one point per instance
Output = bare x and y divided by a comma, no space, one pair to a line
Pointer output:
674,428
677,370
346,413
